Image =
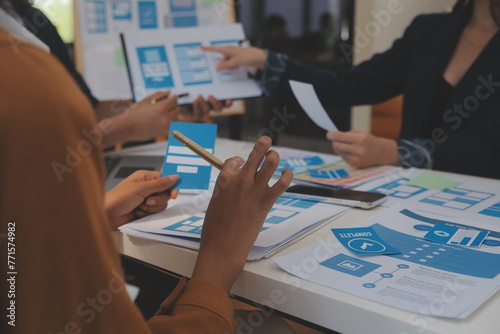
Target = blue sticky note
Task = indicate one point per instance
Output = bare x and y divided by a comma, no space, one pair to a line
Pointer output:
194,172
363,241
451,235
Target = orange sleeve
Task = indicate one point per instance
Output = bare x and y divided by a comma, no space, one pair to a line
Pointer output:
196,307
52,188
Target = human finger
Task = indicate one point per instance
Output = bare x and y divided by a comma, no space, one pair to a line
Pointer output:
258,153
148,188
268,168
343,148
156,97
281,185
215,103
330,135
204,107
226,50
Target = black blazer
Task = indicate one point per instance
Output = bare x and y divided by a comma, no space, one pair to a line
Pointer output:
470,138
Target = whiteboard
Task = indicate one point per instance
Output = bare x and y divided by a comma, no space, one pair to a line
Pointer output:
99,23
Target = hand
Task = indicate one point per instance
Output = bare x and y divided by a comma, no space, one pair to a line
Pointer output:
146,120
361,149
236,57
139,195
241,201
200,110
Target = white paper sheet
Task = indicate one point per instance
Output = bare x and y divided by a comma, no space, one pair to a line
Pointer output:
289,218
309,101
427,278
474,199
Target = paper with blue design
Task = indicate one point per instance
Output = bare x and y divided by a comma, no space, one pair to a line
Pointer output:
181,224
194,172
327,170
363,241
474,199
426,278
172,59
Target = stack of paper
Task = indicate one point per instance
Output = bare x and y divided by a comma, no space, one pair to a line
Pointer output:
425,277
181,224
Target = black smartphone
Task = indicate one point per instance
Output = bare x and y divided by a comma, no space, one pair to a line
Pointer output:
360,199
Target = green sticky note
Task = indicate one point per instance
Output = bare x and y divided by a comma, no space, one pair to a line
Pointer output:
433,181
119,57
210,2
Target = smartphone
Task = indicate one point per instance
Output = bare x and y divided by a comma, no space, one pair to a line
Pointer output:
359,199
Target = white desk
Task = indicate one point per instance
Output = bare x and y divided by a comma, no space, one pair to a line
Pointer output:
264,283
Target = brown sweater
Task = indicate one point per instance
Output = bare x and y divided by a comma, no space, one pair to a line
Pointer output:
52,187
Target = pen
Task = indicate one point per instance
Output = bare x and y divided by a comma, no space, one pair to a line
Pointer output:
154,101
207,156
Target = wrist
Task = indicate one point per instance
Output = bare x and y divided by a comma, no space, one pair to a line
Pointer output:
220,270
389,152
261,60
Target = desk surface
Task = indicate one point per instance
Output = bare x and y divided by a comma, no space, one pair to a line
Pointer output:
264,283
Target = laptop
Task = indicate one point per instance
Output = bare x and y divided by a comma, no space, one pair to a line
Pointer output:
118,167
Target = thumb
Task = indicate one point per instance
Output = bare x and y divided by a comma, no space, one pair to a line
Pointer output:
146,188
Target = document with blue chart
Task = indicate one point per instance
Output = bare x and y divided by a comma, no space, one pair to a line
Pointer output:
474,199
194,171
172,59
289,218
426,278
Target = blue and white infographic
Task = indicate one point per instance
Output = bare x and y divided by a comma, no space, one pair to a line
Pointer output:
95,16
452,235
176,61
417,278
148,17
193,64
363,241
398,189
183,13
155,67
194,172
121,10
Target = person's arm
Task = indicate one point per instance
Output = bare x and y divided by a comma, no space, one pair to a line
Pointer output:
140,121
240,203
360,149
373,81
474,150
239,206
199,110
139,195
122,121
64,241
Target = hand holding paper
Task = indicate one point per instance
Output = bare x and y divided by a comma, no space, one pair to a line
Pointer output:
242,199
